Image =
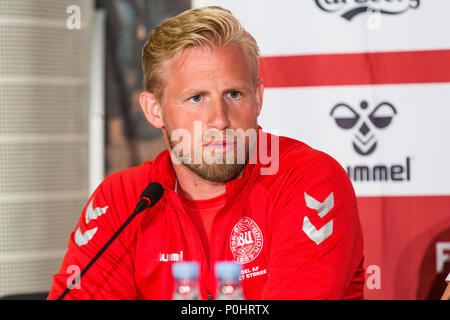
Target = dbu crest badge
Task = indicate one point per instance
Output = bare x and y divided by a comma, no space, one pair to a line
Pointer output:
246,241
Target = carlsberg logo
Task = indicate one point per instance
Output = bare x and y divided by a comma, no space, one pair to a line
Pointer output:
348,9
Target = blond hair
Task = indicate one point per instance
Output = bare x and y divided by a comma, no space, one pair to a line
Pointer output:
212,26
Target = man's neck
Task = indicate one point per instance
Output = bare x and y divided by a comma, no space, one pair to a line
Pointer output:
194,187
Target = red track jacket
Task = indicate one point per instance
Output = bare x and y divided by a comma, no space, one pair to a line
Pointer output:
296,233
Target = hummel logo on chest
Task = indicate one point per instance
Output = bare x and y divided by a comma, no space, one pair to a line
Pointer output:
165,257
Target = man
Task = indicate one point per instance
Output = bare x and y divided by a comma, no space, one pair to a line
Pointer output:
446,294
283,210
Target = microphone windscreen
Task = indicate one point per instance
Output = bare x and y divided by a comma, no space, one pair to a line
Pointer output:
154,192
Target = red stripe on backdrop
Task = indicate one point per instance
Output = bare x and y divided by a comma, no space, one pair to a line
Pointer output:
356,68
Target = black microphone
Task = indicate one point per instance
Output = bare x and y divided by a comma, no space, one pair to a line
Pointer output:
149,197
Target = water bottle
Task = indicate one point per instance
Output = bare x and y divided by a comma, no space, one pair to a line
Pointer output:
185,275
229,285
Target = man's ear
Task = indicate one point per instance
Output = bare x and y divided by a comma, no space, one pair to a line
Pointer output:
152,109
259,94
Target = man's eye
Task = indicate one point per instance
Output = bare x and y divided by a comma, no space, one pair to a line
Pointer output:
196,98
234,94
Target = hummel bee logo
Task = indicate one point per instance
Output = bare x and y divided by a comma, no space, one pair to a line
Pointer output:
322,208
363,126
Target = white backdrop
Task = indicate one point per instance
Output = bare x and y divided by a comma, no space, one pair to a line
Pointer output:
384,68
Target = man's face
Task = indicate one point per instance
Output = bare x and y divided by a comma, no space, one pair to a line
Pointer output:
215,90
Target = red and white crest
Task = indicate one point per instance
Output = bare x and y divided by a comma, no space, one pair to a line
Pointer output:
246,240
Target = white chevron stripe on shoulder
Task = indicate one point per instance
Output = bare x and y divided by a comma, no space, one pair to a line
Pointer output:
317,235
83,238
322,208
92,213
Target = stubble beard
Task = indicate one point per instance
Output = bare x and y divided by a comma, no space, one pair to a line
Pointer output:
215,172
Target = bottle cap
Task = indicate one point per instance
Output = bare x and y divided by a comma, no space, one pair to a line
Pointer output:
228,270
185,270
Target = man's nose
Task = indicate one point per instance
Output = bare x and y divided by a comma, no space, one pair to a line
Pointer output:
218,114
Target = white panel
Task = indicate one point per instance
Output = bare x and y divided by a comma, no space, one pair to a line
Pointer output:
419,131
97,102
293,27
44,103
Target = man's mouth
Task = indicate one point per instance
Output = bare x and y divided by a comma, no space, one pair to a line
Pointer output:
220,146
